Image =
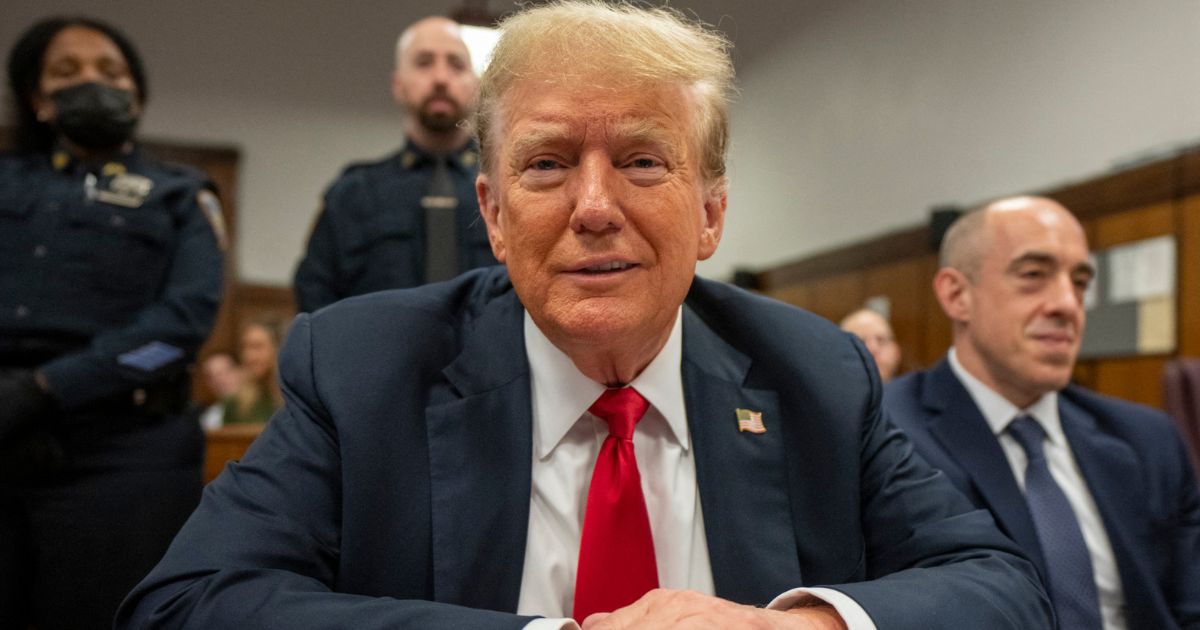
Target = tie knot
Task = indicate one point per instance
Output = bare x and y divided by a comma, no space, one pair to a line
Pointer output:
1028,432
621,409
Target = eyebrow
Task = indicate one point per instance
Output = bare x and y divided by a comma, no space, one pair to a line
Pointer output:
1044,258
544,132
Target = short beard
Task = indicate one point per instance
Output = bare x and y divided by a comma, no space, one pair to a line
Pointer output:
438,122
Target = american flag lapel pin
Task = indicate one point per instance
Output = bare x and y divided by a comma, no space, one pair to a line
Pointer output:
750,421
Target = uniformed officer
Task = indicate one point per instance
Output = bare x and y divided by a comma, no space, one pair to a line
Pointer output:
412,217
110,278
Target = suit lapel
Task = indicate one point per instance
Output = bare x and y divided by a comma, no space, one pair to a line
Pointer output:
480,441
956,423
742,476
1113,477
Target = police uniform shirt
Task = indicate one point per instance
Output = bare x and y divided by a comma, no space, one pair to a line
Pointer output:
110,273
371,233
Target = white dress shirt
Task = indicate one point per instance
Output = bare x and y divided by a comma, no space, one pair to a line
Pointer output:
999,412
566,443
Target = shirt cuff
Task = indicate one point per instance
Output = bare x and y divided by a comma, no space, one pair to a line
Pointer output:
855,617
555,624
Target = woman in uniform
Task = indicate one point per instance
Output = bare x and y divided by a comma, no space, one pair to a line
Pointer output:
110,278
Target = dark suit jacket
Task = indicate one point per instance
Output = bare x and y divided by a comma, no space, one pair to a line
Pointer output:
1131,457
393,490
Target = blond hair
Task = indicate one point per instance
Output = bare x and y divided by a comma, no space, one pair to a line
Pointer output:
612,46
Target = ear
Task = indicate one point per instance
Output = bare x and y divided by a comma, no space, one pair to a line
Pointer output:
953,291
713,218
397,88
43,107
489,209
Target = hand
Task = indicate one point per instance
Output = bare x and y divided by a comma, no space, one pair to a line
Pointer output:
664,608
22,401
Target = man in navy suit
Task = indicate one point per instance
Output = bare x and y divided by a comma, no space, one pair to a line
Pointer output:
437,461
999,413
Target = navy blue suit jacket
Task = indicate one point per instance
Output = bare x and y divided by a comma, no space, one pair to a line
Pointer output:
1131,457
393,490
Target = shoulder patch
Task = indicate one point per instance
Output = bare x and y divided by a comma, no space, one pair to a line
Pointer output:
210,206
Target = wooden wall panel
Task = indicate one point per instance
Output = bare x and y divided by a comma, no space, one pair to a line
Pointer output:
1188,297
1138,379
1133,225
939,332
794,294
904,284
835,297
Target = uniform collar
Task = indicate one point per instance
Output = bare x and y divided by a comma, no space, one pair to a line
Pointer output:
64,161
465,158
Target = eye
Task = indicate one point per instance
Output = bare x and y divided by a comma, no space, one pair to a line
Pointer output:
544,164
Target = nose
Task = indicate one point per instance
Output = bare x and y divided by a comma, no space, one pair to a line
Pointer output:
441,72
597,208
1064,299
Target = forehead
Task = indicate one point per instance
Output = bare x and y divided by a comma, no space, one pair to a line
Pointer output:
83,42
431,37
1047,229
867,323
656,112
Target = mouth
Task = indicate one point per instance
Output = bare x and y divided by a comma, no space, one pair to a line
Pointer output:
1061,341
601,269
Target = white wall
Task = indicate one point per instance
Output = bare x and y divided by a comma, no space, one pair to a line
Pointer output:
925,101
870,111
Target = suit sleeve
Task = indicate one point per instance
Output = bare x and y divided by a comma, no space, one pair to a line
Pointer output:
1183,585
163,336
262,550
933,561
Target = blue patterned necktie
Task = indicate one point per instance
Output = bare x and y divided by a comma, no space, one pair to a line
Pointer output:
1069,574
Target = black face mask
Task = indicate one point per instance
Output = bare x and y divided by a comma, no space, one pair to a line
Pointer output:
95,116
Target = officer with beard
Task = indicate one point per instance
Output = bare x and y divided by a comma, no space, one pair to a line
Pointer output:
412,217
110,279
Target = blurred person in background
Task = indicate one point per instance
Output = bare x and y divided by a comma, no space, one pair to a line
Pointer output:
412,217
258,396
876,333
222,377
110,278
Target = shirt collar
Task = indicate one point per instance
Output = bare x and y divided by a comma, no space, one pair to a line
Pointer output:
562,394
999,412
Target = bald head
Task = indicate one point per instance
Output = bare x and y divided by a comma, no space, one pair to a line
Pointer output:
968,239
432,27
434,83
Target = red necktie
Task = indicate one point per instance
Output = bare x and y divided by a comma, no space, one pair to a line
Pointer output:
616,551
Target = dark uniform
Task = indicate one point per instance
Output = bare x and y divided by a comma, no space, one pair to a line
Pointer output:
110,279
370,235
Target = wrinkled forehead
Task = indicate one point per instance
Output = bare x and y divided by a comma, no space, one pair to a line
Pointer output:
566,106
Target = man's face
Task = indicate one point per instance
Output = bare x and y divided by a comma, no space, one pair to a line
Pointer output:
434,81
596,204
1023,313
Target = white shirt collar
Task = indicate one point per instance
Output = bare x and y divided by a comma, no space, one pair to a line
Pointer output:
562,394
998,411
